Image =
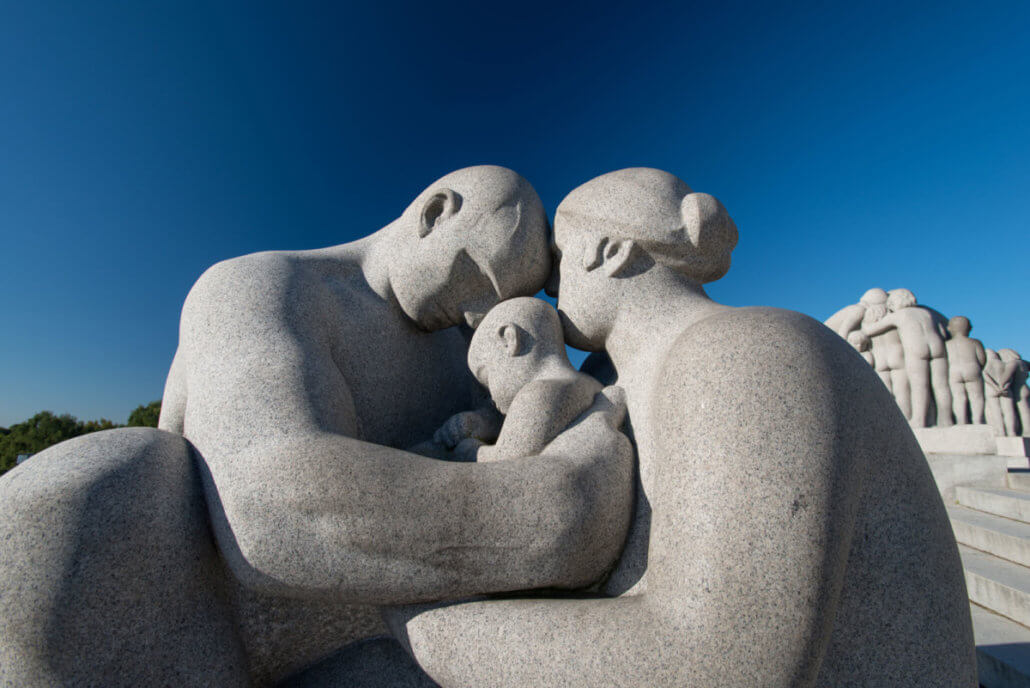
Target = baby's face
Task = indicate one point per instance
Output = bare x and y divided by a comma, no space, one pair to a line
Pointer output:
501,373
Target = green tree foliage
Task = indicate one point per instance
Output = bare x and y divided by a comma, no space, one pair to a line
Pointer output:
145,416
41,431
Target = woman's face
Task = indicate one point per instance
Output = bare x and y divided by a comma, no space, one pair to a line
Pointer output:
580,291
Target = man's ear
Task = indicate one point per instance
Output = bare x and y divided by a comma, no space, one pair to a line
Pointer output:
513,337
441,205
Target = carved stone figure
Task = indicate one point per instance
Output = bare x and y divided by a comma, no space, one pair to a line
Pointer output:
298,376
1018,390
862,345
1000,407
848,319
518,354
926,362
1022,395
779,516
888,357
966,359
888,354
732,595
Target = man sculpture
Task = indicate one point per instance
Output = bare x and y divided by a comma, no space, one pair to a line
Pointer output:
297,376
966,359
786,529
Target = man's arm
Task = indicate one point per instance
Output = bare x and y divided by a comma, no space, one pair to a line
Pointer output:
301,507
887,322
745,565
846,320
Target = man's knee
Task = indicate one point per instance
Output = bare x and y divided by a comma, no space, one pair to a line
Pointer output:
108,563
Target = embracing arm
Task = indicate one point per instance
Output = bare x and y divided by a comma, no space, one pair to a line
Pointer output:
754,496
301,507
540,411
885,323
846,320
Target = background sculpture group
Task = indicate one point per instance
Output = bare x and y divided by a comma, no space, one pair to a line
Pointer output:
938,374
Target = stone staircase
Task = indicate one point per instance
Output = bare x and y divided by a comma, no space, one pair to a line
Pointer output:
992,526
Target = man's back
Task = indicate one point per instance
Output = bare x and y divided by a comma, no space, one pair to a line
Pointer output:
393,382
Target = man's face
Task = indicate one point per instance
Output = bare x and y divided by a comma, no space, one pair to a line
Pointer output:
579,293
439,284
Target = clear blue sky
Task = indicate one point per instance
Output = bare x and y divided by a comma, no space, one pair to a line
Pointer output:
856,145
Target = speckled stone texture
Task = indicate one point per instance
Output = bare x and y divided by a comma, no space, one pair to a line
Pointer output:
378,662
957,439
108,573
788,531
299,378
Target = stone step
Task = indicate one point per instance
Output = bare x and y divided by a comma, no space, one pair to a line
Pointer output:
1001,586
995,535
1014,504
1002,650
1019,480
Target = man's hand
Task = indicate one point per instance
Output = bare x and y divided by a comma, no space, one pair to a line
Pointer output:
469,449
483,424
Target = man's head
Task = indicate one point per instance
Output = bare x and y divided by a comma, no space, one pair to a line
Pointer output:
473,238
898,299
510,344
873,297
623,224
1008,355
959,326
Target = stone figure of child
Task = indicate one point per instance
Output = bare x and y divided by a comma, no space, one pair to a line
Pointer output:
518,354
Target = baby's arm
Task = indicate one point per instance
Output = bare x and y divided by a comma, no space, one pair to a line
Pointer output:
482,424
539,413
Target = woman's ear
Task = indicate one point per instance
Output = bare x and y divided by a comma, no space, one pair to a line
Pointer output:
440,205
618,255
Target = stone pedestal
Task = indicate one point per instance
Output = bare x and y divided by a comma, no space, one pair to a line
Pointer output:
950,470
1015,449
1013,446
957,439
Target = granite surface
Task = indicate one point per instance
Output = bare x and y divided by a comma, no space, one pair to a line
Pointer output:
778,524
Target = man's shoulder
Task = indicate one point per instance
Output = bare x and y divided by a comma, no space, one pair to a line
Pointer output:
267,288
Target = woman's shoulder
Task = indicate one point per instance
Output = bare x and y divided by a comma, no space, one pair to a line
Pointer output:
758,329
757,350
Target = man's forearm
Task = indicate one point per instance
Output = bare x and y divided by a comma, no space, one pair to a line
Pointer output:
329,516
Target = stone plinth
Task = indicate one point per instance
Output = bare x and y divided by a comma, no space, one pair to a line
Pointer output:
950,470
1013,446
957,439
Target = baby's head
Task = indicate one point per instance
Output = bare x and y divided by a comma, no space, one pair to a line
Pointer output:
511,345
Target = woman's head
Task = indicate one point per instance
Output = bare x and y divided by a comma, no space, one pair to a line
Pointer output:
689,232
623,224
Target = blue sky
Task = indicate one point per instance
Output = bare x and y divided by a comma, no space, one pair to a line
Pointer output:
855,144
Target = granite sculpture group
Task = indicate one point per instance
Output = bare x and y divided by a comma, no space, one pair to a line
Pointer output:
938,374
734,499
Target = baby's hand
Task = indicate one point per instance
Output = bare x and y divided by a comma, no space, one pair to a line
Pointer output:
482,424
468,449
472,449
